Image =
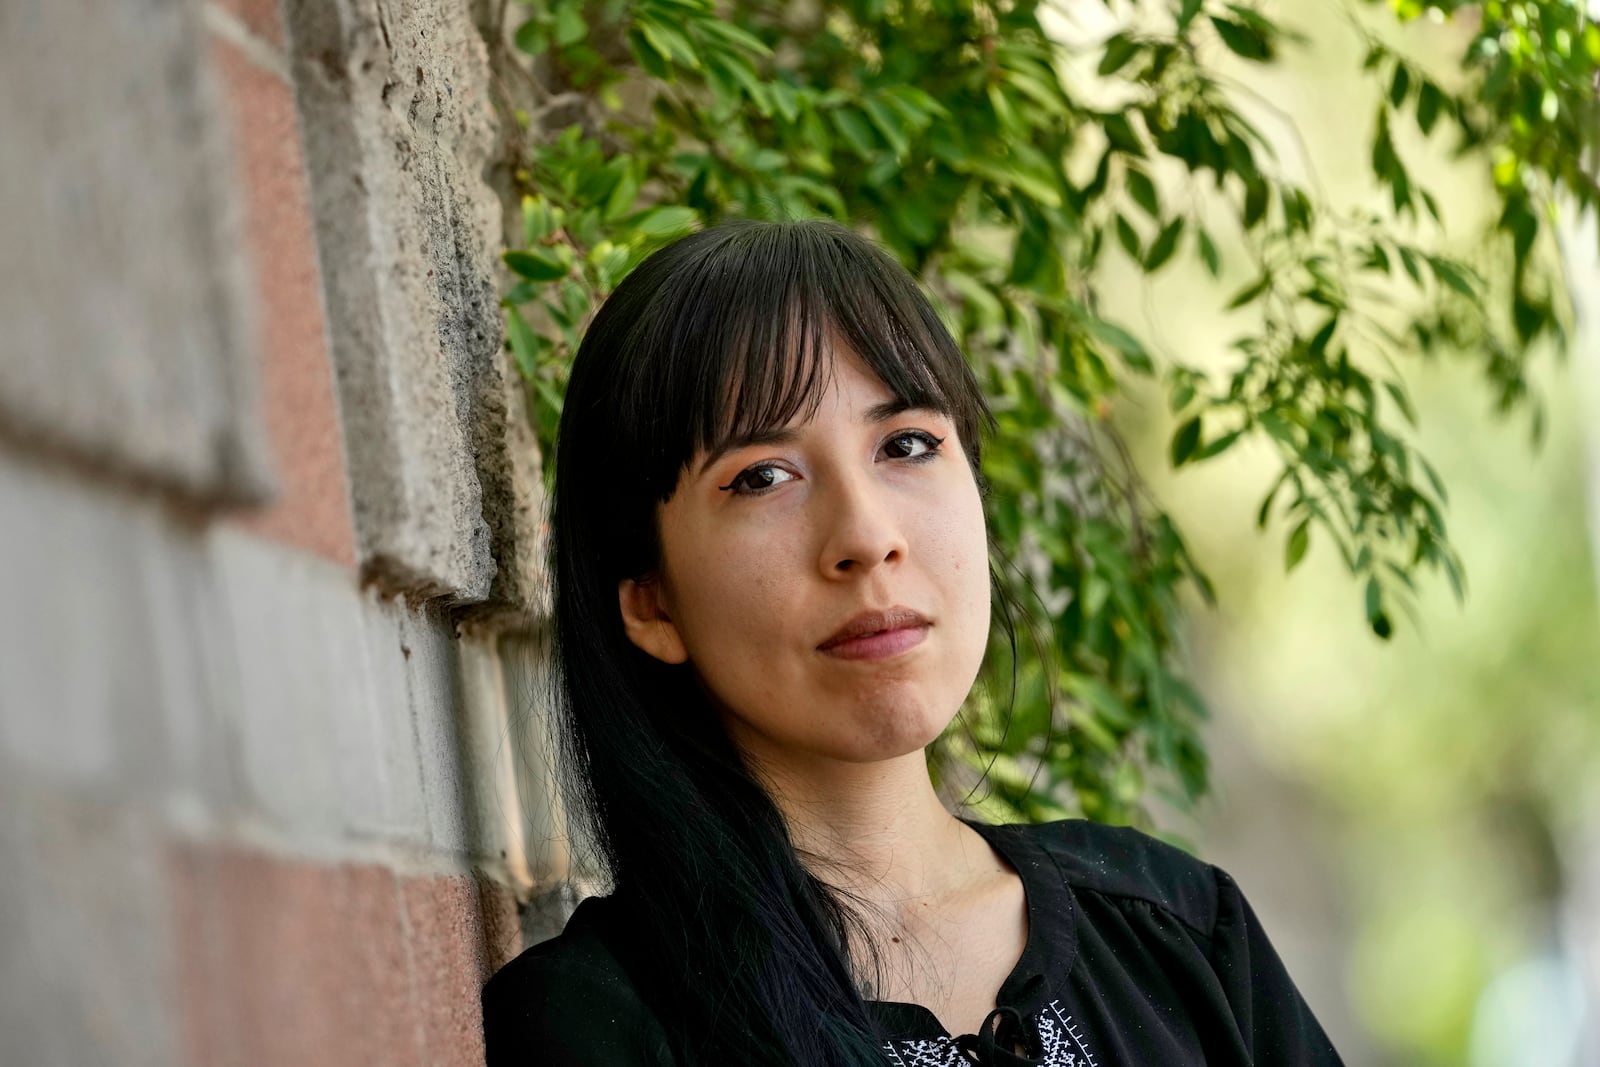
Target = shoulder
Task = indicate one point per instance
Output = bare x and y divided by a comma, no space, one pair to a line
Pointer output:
571,1000
581,957
1120,861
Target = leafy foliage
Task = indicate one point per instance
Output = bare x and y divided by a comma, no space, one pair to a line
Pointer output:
952,130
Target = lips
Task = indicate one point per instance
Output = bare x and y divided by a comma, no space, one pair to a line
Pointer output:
894,629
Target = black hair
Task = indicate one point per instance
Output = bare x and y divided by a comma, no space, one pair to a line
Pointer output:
723,332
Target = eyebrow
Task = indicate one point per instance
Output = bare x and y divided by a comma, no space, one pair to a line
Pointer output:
779,435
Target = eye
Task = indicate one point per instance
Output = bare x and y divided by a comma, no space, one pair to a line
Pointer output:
755,480
913,444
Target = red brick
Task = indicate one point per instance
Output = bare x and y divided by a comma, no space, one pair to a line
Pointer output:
205,1018
451,964
313,509
502,930
288,962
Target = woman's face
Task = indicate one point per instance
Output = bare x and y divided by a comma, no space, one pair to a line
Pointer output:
774,548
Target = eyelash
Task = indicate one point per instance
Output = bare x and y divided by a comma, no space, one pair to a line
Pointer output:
926,438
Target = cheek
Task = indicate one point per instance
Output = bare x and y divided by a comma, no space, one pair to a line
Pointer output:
971,551
959,554
728,594
956,555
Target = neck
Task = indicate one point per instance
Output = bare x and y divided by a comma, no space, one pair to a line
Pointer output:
877,830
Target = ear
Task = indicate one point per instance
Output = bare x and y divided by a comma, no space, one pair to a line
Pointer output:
644,616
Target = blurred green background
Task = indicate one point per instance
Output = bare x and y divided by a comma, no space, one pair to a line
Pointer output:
1418,821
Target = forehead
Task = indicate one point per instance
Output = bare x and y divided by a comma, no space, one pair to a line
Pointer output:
848,386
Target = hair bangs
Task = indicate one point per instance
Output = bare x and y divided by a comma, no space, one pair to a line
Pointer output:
745,336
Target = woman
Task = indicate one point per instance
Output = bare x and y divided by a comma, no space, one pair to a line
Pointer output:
771,594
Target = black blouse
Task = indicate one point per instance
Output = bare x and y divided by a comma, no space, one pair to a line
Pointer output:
1137,954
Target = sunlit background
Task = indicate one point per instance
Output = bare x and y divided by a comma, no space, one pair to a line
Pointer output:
1417,821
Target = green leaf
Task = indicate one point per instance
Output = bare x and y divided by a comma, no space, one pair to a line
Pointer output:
1047,94
1208,253
1255,202
1187,12
785,100
1400,187
669,41
1435,481
1279,429
1453,275
1296,209
661,223
1143,191
888,124
1185,441
550,398
532,38
855,130
1299,542
1528,318
1264,513
526,346
1400,86
655,61
1398,393
1408,260
1183,394
1383,155
1120,48
1432,204
623,194
570,27
520,293
1031,254
537,264
1523,225
733,35
537,221
741,71
1244,41
978,296
1132,350
1428,100
1004,113
1035,182
1120,133
1249,292
909,99
1319,341
1377,618
1165,244
1217,445
1128,237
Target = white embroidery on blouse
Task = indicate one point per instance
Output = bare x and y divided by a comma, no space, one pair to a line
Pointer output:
1060,1038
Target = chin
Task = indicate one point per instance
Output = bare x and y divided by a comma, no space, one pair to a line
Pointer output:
888,733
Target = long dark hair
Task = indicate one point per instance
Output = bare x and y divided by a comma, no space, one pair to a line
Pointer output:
722,332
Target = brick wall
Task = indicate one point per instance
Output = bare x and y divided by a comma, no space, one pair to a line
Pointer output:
271,789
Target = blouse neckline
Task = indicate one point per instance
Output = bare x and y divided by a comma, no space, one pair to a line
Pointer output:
1047,955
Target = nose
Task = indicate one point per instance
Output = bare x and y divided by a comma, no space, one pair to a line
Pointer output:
863,531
